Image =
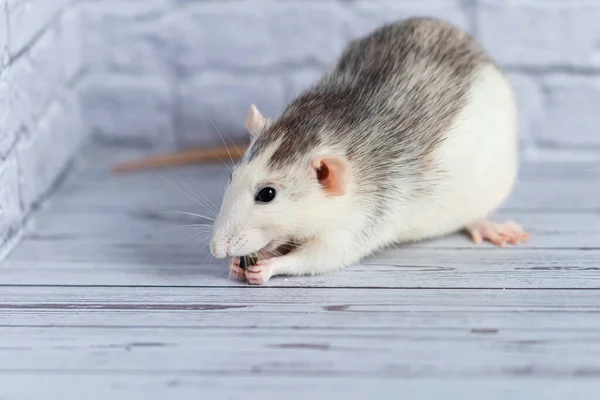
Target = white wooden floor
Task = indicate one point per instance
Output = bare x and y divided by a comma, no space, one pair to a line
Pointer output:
106,298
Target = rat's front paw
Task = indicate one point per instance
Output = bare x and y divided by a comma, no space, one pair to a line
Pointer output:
235,269
261,272
258,274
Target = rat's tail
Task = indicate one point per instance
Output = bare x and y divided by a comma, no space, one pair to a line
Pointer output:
186,157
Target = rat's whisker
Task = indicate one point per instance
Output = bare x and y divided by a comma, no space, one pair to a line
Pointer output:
222,139
204,226
275,253
209,205
200,200
230,139
213,205
179,189
224,163
190,213
195,234
199,227
208,254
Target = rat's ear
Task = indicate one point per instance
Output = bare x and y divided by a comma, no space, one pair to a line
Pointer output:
255,121
334,174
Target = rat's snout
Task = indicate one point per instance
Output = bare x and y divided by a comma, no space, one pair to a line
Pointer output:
218,248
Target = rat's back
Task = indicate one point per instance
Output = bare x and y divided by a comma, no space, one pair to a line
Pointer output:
425,117
403,85
391,96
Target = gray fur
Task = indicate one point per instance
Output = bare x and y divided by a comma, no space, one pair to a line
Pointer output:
385,105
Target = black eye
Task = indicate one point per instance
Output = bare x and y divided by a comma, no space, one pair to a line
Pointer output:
266,195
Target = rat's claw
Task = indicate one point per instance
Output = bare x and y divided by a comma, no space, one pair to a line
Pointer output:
234,268
499,234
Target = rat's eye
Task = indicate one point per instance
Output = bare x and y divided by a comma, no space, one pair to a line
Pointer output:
265,195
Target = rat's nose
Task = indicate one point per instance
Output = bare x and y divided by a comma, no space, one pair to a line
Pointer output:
217,249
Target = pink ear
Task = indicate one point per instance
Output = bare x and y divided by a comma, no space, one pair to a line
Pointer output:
334,174
255,120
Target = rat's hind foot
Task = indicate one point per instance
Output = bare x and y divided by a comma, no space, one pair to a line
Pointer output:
234,268
499,234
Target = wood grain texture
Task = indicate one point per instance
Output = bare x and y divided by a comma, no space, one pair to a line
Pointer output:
415,268
563,230
332,309
416,353
122,386
108,297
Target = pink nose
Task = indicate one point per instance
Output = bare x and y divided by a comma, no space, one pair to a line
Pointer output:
219,250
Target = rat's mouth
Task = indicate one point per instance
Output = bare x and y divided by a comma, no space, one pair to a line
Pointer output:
275,249
271,250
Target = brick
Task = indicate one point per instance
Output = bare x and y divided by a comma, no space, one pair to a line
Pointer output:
530,102
45,79
43,156
70,45
541,33
122,39
40,123
10,209
226,98
34,80
371,14
133,9
21,108
129,110
7,133
258,34
28,19
3,30
572,105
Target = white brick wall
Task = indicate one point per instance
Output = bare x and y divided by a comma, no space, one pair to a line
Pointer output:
40,127
213,58
158,71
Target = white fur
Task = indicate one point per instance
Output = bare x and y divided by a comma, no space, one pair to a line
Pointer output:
479,160
244,226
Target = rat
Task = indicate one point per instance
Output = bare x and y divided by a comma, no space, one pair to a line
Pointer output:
412,134
184,157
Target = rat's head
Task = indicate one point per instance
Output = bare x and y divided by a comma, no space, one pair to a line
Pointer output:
267,204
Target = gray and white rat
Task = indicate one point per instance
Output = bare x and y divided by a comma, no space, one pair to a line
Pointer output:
411,135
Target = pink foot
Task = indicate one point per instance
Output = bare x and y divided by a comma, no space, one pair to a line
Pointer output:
234,268
499,234
261,272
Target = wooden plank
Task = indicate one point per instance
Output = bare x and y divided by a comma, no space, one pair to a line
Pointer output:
383,319
320,299
132,225
122,386
61,263
433,353
372,310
